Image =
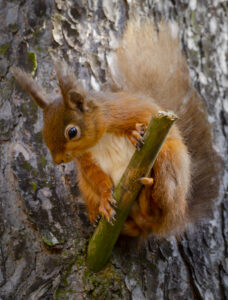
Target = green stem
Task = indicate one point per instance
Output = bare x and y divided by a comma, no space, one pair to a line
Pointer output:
106,234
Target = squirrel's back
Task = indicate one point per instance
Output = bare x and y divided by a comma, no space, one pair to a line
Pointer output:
150,63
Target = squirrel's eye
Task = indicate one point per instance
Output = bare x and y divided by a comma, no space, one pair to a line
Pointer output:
72,132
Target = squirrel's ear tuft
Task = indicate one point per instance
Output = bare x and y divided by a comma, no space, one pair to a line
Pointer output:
75,100
30,86
66,77
73,94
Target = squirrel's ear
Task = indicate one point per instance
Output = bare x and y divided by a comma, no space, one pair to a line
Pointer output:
75,100
30,86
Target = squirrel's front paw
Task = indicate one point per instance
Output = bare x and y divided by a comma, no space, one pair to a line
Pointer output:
136,135
106,209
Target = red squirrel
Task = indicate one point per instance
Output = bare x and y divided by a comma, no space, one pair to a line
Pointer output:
100,130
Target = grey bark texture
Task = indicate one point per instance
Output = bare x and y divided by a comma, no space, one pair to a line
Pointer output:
44,227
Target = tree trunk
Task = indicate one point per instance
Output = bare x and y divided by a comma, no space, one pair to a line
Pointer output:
44,226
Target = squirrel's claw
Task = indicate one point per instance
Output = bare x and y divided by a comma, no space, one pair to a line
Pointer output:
112,201
92,217
112,221
97,219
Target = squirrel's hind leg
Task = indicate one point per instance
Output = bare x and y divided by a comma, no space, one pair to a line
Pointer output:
161,208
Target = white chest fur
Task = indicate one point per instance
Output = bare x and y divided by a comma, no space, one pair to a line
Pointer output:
112,154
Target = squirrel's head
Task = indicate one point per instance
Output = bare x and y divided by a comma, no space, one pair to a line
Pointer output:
70,127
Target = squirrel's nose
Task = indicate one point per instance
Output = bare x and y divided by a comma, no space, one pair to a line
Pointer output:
58,159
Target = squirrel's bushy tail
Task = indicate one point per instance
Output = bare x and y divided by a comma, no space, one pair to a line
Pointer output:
150,63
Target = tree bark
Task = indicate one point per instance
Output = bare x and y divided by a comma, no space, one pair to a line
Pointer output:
44,226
